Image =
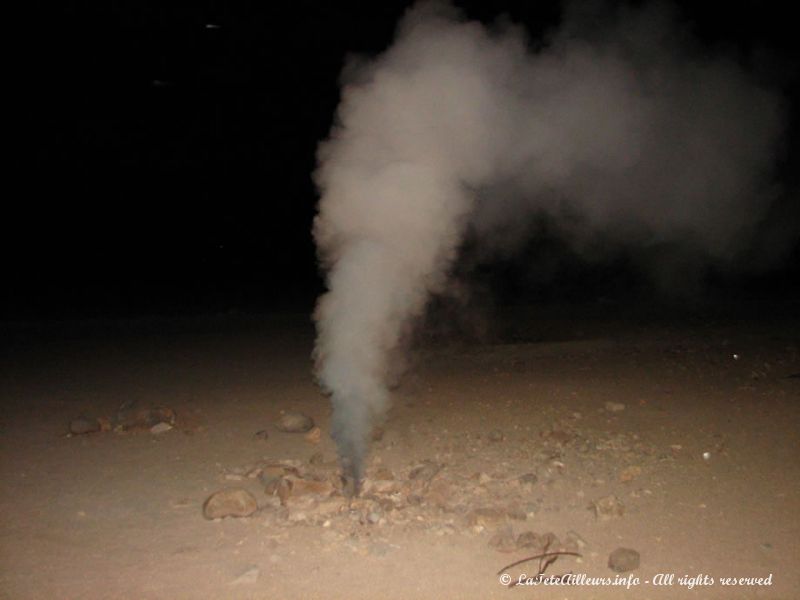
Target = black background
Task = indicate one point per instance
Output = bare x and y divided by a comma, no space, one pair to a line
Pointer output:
166,164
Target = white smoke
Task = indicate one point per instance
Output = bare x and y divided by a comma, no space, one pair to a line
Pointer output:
620,123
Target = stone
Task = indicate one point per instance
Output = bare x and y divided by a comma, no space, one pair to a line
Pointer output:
309,487
485,516
425,471
608,507
280,487
160,428
628,474
383,474
622,560
314,435
294,422
130,418
614,406
230,502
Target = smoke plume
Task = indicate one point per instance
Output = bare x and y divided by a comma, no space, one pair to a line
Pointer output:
621,125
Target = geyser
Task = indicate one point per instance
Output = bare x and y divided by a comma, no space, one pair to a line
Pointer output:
621,119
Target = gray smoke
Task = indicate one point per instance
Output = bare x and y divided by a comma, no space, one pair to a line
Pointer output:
621,125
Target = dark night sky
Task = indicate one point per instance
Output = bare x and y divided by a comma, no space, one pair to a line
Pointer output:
169,162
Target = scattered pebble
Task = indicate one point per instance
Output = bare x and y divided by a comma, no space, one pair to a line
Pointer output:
608,507
614,406
261,435
230,502
294,422
622,560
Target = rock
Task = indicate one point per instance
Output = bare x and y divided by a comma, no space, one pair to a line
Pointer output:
267,473
608,507
629,474
294,422
316,459
503,540
230,502
249,577
485,516
160,428
309,487
83,425
622,560
129,418
314,435
327,507
528,479
261,435
105,423
425,471
279,487
614,406
383,474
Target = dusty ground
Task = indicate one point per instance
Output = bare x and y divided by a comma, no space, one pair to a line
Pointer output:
692,426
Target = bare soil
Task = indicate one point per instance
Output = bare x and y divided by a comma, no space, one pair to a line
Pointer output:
689,427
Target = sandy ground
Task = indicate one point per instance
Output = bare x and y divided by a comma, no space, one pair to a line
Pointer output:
691,425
